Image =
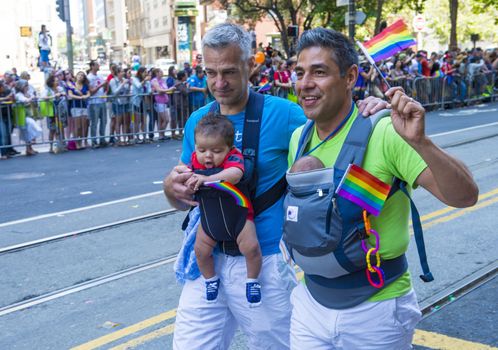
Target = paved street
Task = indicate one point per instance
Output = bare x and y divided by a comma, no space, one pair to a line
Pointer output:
49,195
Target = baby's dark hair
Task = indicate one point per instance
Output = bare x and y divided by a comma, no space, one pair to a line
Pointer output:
215,124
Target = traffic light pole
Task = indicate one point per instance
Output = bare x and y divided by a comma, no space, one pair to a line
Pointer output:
352,19
69,35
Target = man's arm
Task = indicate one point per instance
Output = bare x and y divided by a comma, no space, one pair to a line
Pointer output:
447,178
96,88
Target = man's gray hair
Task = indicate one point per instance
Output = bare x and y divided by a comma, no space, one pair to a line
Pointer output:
228,34
343,51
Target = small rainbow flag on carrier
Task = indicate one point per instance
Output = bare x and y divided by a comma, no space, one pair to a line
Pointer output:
364,189
238,196
390,41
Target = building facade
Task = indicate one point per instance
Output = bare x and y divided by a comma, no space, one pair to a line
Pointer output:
116,31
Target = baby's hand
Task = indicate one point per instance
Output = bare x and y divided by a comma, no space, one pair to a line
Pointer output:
196,181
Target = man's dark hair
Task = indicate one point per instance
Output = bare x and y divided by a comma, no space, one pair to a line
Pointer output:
198,70
343,51
92,63
215,125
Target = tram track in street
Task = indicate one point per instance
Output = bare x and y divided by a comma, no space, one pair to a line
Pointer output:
36,300
456,291
94,229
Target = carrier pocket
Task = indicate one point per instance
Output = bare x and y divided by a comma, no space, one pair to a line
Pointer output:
312,225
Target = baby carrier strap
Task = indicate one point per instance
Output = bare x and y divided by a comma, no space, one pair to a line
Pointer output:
355,145
418,232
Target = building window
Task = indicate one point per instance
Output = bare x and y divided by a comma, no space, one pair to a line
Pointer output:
154,4
165,20
156,23
164,2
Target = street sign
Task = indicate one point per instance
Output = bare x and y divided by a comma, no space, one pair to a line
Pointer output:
419,23
359,18
26,31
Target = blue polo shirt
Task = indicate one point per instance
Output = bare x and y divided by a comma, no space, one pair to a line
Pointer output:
197,98
280,119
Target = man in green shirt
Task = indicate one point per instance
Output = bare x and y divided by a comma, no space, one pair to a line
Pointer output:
327,70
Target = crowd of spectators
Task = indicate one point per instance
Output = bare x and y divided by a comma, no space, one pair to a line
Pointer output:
141,105
145,105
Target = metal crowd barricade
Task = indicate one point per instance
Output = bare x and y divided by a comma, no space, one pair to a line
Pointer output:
405,83
454,90
427,90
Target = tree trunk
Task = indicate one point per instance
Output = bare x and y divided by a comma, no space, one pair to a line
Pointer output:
453,20
378,19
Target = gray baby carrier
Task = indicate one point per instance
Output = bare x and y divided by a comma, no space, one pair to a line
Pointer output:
324,232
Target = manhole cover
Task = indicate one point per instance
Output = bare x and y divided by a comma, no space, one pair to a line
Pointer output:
21,176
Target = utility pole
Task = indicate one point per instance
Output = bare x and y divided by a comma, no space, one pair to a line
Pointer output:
69,35
352,19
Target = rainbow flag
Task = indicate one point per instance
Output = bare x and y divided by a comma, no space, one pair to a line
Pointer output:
363,189
390,41
265,87
233,191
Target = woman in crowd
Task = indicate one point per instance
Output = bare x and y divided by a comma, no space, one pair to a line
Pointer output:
397,72
113,68
119,86
29,130
140,86
54,95
282,79
181,100
68,84
32,110
160,90
79,93
173,101
128,111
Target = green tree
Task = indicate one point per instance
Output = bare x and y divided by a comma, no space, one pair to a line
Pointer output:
470,18
453,20
304,13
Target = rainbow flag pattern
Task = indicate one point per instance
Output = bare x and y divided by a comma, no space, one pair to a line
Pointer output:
239,197
363,189
390,41
265,87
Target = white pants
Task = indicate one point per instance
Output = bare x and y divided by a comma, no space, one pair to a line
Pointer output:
200,325
382,325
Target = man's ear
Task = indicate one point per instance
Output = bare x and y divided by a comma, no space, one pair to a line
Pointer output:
250,63
352,76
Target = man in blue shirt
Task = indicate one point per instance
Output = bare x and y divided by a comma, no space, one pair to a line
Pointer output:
197,85
199,325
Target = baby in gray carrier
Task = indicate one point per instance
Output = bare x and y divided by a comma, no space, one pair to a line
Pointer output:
306,163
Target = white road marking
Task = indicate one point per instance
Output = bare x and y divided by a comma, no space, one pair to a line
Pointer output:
84,193
44,216
464,129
